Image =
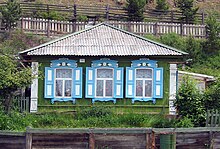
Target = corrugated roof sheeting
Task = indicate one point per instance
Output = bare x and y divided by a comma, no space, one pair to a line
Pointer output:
103,40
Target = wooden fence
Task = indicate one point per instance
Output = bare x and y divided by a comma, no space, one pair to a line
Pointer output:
148,138
73,12
213,118
21,103
52,27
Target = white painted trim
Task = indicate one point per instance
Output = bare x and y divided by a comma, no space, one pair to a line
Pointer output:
34,88
172,88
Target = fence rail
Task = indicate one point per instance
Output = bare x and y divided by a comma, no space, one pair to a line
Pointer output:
107,12
53,27
148,138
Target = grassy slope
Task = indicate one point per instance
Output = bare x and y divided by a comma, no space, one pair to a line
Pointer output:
207,5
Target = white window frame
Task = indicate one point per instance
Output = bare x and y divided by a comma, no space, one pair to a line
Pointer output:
143,80
63,81
104,83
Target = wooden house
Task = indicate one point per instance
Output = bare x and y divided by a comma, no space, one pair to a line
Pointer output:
104,65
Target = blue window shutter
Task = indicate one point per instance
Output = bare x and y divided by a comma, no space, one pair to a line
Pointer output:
158,83
130,82
90,82
118,82
77,83
49,83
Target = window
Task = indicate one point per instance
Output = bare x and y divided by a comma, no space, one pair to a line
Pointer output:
144,81
63,81
104,81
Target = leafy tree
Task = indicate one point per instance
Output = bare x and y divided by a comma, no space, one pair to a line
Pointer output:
189,102
162,5
213,32
212,96
135,9
11,13
12,77
187,9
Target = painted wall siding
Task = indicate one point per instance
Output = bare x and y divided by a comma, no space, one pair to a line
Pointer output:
161,104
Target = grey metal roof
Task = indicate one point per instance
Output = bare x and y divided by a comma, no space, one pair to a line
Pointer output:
103,40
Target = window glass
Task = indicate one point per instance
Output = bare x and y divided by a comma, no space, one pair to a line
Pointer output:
68,86
59,87
144,73
139,88
63,73
108,87
99,87
148,88
104,73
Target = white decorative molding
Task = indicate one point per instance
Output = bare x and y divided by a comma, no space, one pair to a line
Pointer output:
90,74
172,88
34,88
118,75
49,75
90,90
77,75
130,75
130,92
118,91
77,90
158,90
158,75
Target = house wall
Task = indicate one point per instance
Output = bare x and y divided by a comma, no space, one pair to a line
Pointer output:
121,105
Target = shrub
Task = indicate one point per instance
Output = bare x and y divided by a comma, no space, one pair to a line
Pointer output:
134,120
94,112
162,5
189,102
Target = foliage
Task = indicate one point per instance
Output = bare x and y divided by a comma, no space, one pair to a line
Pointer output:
174,40
13,74
212,96
94,112
11,13
162,5
135,9
188,11
213,31
184,122
189,102
82,18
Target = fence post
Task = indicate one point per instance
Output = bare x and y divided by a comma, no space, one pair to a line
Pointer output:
203,17
171,16
91,140
22,21
107,12
28,141
181,29
156,29
48,21
153,145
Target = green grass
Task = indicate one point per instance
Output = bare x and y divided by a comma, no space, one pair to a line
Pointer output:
95,117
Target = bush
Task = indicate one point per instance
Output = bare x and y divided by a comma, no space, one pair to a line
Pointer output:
132,120
162,5
135,9
94,112
189,102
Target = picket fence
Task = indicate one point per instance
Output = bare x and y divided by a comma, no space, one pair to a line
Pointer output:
53,27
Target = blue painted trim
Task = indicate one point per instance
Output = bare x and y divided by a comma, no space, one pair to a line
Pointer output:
63,100
104,63
77,82
129,82
61,63
103,99
118,82
160,83
144,63
49,83
90,82
144,99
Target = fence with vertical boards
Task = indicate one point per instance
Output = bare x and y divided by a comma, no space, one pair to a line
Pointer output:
148,138
53,27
